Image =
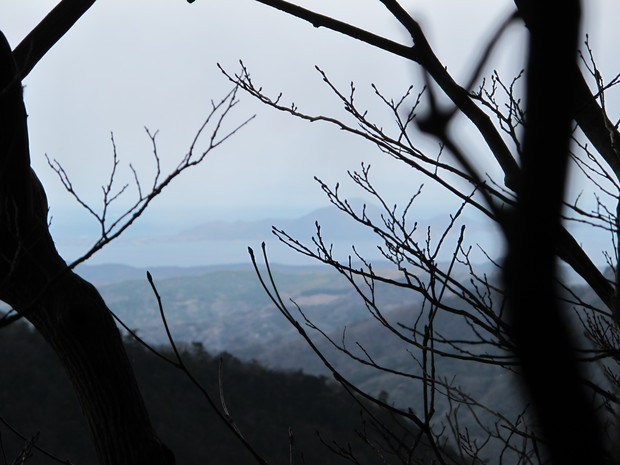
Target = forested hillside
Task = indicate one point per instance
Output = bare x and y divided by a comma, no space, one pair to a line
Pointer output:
36,399
227,310
213,309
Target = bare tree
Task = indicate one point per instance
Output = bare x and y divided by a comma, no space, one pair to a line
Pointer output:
518,323
531,321
42,288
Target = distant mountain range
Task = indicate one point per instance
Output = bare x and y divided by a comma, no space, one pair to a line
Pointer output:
339,226
150,245
335,225
226,242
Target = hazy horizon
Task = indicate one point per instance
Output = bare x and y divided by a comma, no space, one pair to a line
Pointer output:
159,69
157,242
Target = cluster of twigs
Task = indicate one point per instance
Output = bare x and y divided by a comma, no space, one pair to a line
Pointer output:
112,228
479,302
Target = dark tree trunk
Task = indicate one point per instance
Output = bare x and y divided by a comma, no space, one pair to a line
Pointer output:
66,310
543,339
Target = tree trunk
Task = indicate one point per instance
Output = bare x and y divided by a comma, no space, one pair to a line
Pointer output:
540,328
73,318
65,309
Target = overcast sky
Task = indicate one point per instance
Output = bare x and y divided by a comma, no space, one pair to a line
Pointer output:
130,64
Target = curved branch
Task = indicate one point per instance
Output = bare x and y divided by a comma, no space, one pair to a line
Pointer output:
319,20
595,124
49,31
422,54
588,114
567,248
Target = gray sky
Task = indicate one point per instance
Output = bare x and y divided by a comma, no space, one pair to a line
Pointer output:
129,64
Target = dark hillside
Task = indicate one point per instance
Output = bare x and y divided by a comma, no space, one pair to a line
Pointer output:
35,399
